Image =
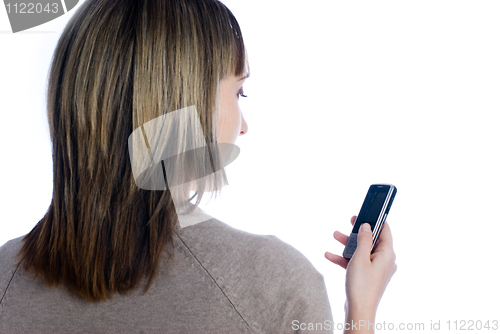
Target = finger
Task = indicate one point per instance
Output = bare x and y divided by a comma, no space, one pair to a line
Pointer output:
353,220
385,237
341,237
365,240
384,253
338,260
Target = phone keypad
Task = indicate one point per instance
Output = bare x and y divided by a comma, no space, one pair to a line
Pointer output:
352,243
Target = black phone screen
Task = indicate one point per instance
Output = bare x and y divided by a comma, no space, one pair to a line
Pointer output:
372,206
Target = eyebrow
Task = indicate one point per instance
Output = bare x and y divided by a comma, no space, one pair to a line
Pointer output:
246,76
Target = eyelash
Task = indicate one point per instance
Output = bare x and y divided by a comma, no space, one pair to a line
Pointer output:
240,93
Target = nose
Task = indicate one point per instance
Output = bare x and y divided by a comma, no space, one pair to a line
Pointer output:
244,126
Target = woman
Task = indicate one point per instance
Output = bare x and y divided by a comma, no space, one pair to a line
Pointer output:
121,248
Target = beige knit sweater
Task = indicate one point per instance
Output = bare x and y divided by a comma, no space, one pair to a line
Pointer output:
222,280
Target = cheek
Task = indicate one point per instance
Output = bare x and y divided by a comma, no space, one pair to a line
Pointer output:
229,122
232,123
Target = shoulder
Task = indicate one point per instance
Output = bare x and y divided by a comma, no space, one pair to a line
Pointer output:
214,238
8,261
9,250
268,281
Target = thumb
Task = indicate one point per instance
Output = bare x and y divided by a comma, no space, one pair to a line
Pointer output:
365,240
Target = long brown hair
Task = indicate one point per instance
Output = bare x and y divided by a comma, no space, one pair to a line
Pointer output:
119,64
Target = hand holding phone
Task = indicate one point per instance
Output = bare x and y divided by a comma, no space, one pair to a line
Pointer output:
367,273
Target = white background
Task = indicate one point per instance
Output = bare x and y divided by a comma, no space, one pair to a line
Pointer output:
341,95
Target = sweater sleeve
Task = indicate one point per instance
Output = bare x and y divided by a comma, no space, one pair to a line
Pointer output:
300,290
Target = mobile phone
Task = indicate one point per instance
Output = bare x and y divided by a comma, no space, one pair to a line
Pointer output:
374,211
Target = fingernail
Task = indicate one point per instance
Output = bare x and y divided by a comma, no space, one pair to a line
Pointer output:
366,227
